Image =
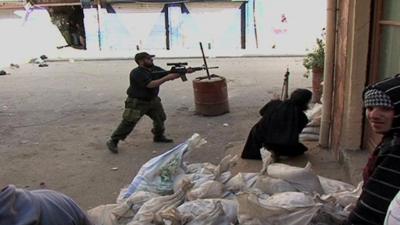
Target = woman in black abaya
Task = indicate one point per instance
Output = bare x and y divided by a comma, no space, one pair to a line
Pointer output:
279,128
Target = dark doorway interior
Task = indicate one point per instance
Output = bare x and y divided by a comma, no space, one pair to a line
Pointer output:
69,20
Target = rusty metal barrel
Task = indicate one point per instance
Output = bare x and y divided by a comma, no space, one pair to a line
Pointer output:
211,95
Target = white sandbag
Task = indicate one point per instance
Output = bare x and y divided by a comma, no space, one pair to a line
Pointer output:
308,137
310,133
290,200
289,208
170,216
121,196
216,216
224,177
266,157
272,185
227,163
122,213
303,179
198,207
330,214
128,208
101,215
206,168
241,182
347,199
196,178
277,177
314,112
332,186
206,172
158,174
209,189
147,212
316,122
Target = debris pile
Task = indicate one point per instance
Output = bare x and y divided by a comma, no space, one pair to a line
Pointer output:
41,61
167,190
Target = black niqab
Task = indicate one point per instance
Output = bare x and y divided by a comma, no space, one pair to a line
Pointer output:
279,127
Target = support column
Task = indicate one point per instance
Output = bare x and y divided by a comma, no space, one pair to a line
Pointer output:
358,73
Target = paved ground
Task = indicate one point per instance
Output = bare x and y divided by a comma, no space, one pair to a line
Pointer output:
55,121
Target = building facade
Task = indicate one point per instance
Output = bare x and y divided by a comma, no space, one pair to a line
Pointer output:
367,48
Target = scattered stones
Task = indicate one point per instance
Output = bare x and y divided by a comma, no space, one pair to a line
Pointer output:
24,141
14,66
43,185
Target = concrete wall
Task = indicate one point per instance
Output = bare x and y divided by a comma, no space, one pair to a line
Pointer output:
217,24
304,23
119,33
29,34
351,72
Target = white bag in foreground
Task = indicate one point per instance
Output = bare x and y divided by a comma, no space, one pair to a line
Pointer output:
194,209
102,215
267,184
333,186
303,179
288,208
157,175
209,189
150,210
241,182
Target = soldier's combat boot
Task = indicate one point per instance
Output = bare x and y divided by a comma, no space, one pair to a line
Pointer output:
162,139
112,146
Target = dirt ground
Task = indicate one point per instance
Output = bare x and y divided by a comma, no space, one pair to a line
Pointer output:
55,121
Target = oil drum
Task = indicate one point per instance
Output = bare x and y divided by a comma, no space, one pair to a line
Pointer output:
211,95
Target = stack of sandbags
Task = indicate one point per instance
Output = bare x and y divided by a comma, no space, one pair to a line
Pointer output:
311,131
207,194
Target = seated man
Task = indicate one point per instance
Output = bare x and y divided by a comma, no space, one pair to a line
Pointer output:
279,128
40,207
382,172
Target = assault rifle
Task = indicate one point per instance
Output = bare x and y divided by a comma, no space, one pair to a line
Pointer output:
181,69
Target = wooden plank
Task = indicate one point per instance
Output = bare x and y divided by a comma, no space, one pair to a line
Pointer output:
390,23
47,2
341,71
57,4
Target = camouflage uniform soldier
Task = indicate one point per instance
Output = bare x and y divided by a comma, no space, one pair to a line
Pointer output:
143,100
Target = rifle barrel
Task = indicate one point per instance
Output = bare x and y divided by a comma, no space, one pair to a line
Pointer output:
203,68
205,61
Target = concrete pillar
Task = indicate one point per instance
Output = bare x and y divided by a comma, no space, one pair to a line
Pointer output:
357,75
91,29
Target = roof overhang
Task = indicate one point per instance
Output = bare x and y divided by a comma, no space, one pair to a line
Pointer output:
172,1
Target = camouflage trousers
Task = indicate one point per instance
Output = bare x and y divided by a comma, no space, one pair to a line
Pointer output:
134,110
